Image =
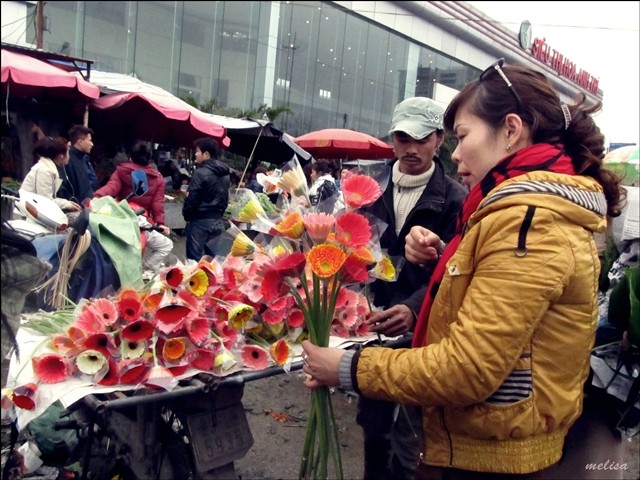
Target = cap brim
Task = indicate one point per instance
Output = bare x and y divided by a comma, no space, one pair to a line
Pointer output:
416,131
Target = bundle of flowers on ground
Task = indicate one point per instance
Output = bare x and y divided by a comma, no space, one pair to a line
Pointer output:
305,272
191,319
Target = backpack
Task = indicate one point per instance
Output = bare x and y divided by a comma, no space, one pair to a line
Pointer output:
139,183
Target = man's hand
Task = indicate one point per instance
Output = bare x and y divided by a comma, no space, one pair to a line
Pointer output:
164,230
422,246
393,321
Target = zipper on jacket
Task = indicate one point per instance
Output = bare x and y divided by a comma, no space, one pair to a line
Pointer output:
521,249
444,426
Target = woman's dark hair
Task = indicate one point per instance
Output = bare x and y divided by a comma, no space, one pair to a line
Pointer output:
50,147
140,154
207,144
539,106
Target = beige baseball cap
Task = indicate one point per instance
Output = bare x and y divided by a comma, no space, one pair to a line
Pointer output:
417,117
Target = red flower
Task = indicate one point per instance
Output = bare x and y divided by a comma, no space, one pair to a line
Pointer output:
353,230
23,396
255,357
112,376
171,316
172,277
204,359
138,330
290,264
353,271
295,318
50,368
132,370
272,285
129,305
102,342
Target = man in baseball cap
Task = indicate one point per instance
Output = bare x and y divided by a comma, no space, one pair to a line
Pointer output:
420,194
417,117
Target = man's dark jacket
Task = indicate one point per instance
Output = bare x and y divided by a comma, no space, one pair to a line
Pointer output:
208,191
75,178
436,209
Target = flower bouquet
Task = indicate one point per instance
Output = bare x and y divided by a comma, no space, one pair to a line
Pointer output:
191,319
307,272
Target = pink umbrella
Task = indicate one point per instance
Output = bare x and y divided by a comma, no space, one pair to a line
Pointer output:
334,143
156,116
23,75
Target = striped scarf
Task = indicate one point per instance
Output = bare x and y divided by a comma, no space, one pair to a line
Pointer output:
542,156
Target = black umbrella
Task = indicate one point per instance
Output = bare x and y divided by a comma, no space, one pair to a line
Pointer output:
260,140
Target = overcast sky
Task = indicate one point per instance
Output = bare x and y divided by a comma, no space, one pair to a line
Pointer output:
599,37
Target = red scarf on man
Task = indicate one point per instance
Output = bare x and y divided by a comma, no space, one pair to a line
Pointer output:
542,156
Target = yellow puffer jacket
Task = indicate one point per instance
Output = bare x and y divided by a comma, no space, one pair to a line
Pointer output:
501,378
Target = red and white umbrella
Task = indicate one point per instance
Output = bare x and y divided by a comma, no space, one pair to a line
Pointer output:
342,143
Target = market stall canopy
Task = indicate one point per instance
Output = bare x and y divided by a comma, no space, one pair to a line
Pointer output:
146,112
260,140
26,76
342,143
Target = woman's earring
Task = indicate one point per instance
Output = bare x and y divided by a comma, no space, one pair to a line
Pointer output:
509,147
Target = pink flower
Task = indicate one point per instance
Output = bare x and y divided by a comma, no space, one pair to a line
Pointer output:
319,225
255,357
106,310
359,191
89,321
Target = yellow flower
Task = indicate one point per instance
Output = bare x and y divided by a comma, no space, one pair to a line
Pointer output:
250,211
225,360
384,269
242,245
325,260
198,283
239,315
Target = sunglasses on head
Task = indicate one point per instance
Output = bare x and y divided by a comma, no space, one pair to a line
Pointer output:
497,66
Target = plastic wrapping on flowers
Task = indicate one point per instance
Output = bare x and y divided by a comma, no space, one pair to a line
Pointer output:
296,272
304,272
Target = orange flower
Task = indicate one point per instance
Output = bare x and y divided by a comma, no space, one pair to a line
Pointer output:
359,191
319,225
291,225
326,260
280,351
364,255
353,230
174,348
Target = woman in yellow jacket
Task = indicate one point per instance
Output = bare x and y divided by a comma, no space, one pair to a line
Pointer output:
501,351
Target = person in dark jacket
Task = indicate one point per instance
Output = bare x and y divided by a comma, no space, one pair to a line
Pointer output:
207,199
417,193
79,179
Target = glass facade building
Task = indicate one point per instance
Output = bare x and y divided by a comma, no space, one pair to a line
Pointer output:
333,67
